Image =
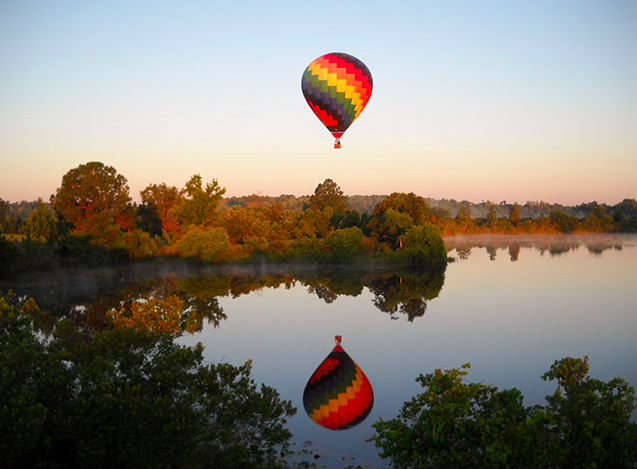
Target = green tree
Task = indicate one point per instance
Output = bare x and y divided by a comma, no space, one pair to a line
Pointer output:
423,244
589,419
345,243
94,200
121,399
40,225
454,424
563,222
328,194
585,424
394,225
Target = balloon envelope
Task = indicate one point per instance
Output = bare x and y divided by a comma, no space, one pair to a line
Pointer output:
337,87
338,395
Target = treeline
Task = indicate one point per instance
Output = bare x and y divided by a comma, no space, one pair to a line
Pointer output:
91,219
94,221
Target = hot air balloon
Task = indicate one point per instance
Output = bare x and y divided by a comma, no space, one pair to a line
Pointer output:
338,395
337,87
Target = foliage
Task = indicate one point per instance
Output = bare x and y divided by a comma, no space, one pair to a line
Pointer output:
139,244
345,243
424,244
206,244
394,225
121,399
161,198
411,204
589,419
94,200
328,194
197,205
457,424
157,316
40,225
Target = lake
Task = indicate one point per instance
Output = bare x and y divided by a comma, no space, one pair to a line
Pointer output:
508,305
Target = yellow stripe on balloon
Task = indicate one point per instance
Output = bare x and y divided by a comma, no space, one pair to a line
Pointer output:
341,399
341,85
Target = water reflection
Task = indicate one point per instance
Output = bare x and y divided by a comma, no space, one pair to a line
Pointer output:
397,292
555,245
338,395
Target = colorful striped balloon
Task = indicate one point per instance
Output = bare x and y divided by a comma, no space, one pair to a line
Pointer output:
338,395
337,87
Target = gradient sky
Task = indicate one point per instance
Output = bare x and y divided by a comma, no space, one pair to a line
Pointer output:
472,100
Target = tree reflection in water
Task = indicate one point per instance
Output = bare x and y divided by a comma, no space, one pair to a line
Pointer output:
555,245
395,292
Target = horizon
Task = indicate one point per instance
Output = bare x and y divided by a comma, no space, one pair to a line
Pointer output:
488,101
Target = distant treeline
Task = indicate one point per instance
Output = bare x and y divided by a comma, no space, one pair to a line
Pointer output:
91,220
14,214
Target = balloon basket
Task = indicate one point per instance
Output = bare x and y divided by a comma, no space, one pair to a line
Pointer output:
337,143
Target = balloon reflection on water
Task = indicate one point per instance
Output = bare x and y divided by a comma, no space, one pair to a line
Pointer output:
338,395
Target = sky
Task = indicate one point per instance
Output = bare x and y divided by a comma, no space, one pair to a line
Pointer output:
472,100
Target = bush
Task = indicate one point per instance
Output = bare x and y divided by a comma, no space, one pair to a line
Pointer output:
423,244
454,424
206,244
345,243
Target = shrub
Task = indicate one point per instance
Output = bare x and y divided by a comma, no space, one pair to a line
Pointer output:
206,244
423,244
345,243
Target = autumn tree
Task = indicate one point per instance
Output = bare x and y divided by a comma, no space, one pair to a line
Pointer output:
197,204
328,194
94,200
514,216
161,198
411,204
4,211
40,225
492,215
205,243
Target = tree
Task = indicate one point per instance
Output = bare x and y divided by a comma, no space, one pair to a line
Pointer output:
117,398
4,211
423,244
328,194
454,424
589,419
411,204
41,226
394,225
161,198
198,205
206,244
93,199
346,243
492,215
514,216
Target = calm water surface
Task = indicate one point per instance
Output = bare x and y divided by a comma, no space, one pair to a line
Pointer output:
510,306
